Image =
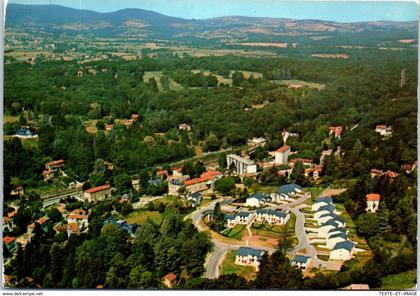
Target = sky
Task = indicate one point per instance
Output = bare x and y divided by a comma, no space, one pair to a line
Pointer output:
340,11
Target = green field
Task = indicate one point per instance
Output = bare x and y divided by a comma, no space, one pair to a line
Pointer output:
229,267
140,216
400,281
47,188
264,229
300,83
158,76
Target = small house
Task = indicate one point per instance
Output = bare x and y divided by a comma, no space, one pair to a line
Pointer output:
384,130
249,257
336,131
372,202
272,217
256,200
184,127
301,262
281,155
195,199
10,243
333,239
25,133
169,280
342,251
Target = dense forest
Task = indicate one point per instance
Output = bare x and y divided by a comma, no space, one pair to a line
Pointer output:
226,100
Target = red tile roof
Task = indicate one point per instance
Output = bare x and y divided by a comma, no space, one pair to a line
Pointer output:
8,239
206,176
73,227
381,126
373,197
301,159
134,116
283,148
162,172
97,189
170,277
337,129
78,217
11,214
42,220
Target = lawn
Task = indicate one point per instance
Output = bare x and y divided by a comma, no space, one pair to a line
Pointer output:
140,216
267,230
236,232
264,188
400,281
47,188
10,118
315,191
229,267
157,75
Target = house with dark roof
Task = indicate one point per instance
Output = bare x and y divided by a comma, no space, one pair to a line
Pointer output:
286,192
333,239
257,200
98,193
241,218
342,251
301,261
123,225
272,217
328,209
320,202
25,133
331,217
249,257
195,199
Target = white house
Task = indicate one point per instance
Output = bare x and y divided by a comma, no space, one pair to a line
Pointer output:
372,202
336,131
242,218
325,228
384,130
256,200
332,217
334,239
241,165
281,155
286,192
324,210
272,217
301,262
320,202
249,257
342,251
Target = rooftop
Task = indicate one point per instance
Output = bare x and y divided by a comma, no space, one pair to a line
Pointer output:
241,159
283,148
348,245
244,251
97,189
301,259
373,197
170,277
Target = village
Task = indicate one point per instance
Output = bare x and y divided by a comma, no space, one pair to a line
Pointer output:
252,225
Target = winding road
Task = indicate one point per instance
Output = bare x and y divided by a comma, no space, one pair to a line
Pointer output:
215,258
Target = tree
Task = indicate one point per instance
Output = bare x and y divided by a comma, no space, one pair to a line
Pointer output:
161,207
218,222
126,209
225,185
298,174
367,225
237,78
383,218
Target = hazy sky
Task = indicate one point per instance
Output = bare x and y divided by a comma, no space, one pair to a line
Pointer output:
342,11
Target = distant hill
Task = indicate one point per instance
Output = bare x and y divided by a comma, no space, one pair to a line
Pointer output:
139,22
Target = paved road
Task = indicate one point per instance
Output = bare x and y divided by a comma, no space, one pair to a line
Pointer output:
220,249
